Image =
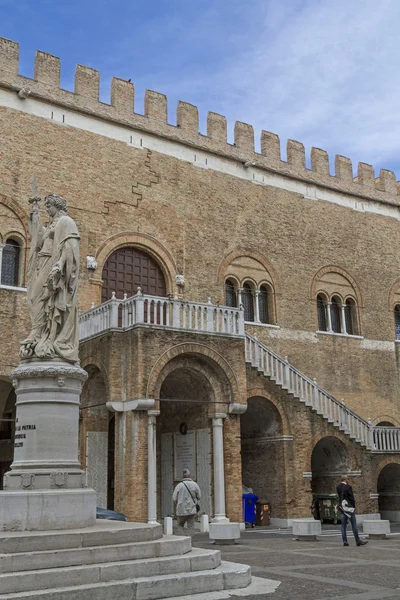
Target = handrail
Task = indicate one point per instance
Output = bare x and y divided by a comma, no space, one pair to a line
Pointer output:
311,394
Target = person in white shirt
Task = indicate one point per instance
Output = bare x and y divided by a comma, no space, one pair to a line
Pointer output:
186,498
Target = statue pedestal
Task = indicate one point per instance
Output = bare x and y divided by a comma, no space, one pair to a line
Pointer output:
45,488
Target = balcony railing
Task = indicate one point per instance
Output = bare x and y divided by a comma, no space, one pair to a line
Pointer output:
169,313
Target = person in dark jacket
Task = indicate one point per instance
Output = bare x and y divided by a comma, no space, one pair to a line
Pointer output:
347,506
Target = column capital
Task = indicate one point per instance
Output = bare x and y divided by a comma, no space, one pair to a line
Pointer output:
128,405
219,415
237,408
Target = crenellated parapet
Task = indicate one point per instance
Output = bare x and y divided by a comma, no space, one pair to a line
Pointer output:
85,99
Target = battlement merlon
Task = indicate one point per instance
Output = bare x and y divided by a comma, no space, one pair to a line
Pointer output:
85,99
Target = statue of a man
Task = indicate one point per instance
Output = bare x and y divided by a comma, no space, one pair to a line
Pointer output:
53,272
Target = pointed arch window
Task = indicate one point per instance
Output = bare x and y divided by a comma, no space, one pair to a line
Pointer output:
248,303
397,321
264,304
10,263
350,316
336,315
230,293
321,308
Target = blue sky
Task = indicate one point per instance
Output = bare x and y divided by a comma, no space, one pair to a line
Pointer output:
324,72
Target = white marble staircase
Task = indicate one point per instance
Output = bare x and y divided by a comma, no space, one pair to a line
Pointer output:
307,391
110,561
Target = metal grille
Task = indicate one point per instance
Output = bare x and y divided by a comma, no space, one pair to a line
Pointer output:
321,308
127,269
230,294
397,321
335,316
247,301
10,263
263,309
349,317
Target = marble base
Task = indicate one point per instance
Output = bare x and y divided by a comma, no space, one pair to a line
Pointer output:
47,510
306,530
224,533
377,530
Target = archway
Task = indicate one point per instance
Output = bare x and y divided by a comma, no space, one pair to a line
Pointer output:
95,424
7,427
186,396
128,268
389,492
330,459
263,453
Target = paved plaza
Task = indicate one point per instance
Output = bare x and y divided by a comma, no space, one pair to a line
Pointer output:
318,570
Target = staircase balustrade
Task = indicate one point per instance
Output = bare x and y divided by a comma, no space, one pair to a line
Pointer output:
279,370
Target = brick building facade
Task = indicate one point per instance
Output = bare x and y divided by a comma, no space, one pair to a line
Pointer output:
268,309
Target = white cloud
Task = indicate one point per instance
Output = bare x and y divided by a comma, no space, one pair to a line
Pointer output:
324,73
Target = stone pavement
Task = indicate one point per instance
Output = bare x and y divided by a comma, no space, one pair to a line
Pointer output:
322,570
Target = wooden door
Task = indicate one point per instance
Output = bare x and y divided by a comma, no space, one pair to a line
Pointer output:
127,269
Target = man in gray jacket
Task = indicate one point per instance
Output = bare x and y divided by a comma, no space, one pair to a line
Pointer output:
186,497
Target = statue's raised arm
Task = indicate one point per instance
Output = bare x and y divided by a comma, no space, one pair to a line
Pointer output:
53,283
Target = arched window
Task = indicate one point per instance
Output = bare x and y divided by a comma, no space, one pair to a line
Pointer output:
397,321
247,301
264,304
321,308
10,263
350,316
336,310
230,293
128,268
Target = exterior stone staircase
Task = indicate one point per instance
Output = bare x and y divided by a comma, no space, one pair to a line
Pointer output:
307,391
128,561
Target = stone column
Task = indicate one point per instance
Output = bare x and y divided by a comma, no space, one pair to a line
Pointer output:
343,319
257,306
45,488
152,466
131,446
328,314
219,471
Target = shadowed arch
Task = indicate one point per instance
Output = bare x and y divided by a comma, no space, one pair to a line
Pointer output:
215,360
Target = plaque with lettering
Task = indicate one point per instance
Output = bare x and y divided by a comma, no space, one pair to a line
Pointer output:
184,454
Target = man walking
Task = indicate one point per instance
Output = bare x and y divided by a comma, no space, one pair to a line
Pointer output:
186,497
347,506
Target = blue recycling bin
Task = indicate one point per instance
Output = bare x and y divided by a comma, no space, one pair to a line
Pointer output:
249,508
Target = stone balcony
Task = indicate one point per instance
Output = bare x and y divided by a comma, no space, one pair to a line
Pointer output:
157,312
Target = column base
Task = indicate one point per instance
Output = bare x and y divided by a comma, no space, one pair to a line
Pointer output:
46,510
221,520
44,479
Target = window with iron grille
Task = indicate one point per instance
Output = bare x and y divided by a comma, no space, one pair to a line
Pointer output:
397,321
349,314
321,308
336,315
263,304
230,293
10,263
247,301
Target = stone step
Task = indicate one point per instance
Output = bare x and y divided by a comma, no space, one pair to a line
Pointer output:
168,545
104,533
225,577
197,559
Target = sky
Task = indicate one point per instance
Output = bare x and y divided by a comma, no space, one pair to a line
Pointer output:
324,72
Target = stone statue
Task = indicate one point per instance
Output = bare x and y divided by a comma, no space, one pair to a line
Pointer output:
53,272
